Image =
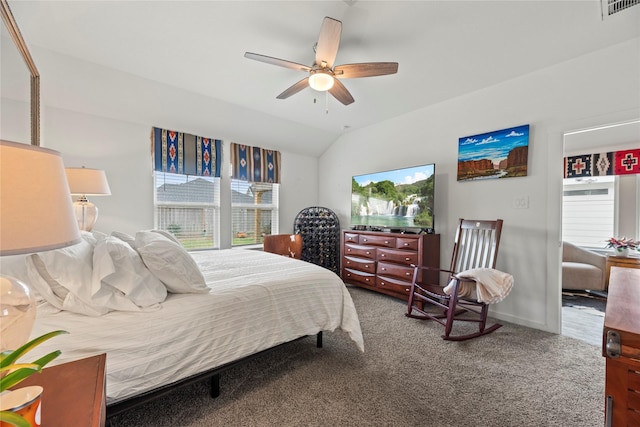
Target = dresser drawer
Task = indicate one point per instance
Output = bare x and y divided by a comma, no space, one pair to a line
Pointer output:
397,256
351,238
393,285
395,270
361,264
349,274
385,241
360,250
404,243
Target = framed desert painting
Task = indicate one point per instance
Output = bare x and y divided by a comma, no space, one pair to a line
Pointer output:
498,154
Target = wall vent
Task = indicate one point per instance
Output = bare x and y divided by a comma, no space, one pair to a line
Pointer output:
611,7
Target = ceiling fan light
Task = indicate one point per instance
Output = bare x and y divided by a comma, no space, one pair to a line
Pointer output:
321,81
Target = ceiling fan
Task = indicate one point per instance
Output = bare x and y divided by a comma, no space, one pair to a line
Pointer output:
323,76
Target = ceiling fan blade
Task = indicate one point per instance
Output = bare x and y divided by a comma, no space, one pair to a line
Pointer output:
276,61
302,84
328,41
341,93
366,69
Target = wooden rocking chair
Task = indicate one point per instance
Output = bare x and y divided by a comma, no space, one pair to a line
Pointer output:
475,246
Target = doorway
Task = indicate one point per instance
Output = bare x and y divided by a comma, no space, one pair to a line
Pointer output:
594,209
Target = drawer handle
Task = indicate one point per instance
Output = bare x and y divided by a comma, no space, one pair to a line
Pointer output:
366,280
406,244
382,283
407,259
383,269
382,256
407,289
366,266
407,273
386,242
348,249
348,274
348,262
368,253
366,240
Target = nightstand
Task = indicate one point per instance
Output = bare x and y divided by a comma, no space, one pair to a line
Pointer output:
74,393
618,261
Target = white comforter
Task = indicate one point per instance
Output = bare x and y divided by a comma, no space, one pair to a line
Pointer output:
257,300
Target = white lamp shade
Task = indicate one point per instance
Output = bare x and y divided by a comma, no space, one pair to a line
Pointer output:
35,204
88,182
321,81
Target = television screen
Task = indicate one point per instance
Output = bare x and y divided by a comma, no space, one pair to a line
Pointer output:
400,198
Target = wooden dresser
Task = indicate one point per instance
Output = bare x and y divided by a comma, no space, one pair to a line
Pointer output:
621,348
382,261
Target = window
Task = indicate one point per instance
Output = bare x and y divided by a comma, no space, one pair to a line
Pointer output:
254,211
589,210
189,208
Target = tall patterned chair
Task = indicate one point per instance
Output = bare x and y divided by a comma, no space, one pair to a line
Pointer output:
320,230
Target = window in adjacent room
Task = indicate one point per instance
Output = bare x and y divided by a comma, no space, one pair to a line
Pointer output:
189,208
588,210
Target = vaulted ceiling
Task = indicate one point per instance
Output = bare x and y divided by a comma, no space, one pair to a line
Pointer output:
444,49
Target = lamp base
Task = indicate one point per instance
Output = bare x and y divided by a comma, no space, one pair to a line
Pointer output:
17,313
86,213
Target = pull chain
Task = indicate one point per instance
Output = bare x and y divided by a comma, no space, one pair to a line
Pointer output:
327,103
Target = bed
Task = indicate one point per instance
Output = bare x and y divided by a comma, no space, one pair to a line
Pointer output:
251,301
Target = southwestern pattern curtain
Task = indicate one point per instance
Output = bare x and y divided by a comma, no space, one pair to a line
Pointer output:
622,162
186,154
255,164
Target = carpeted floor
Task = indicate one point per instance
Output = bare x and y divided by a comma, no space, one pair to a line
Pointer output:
408,376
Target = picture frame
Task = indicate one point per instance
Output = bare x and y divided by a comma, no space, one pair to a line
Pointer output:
491,155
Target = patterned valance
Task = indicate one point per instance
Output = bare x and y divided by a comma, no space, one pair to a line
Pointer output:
255,164
186,154
623,162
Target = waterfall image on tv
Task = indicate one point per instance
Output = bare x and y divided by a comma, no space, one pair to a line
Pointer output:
394,199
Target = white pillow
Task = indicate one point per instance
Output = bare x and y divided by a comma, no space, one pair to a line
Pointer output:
61,298
170,263
71,267
117,264
125,238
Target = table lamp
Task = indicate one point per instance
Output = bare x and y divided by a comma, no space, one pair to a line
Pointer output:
85,182
35,215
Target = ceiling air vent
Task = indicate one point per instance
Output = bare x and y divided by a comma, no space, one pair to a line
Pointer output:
611,7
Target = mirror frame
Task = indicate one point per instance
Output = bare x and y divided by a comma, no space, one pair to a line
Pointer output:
14,31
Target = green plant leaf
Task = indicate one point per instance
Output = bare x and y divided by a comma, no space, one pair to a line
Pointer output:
13,419
16,354
48,358
20,365
16,376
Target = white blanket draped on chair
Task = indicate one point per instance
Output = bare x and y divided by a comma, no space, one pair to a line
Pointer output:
490,285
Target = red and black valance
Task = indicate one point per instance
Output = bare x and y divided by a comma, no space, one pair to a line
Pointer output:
623,162
186,154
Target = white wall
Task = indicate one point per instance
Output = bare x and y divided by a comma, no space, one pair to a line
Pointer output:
122,149
593,89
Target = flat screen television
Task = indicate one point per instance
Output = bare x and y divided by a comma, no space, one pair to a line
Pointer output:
395,199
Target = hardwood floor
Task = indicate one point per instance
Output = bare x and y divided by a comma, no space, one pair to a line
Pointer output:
583,317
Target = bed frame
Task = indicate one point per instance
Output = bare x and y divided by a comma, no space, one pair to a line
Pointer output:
125,405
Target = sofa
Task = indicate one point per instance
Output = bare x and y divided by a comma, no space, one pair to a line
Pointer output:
582,269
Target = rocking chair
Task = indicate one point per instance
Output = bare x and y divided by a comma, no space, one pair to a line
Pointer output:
475,247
